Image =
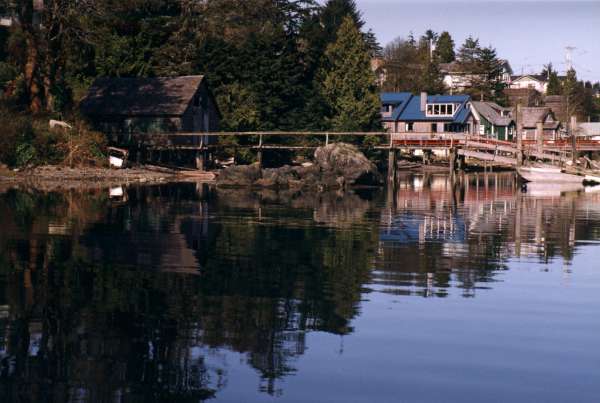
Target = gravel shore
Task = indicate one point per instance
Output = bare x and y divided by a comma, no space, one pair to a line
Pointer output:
54,177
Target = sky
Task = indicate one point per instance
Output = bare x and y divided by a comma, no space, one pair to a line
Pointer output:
527,33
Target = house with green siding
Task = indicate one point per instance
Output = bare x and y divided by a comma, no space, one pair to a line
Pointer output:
493,121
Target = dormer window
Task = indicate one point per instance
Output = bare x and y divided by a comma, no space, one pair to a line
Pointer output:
387,109
441,109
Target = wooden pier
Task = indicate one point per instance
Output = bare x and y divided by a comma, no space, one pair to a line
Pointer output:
472,147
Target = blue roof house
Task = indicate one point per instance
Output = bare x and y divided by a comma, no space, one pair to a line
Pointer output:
403,112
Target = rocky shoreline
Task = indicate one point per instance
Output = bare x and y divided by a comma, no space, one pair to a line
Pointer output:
337,167
57,178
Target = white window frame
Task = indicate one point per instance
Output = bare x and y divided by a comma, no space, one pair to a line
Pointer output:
441,110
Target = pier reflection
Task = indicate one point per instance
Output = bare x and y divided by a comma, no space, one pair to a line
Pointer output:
441,233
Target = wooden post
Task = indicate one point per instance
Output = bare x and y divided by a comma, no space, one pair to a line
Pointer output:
200,156
519,118
573,130
452,157
392,165
327,139
200,162
539,136
260,153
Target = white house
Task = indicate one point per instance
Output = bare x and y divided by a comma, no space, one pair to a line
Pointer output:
457,80
536,82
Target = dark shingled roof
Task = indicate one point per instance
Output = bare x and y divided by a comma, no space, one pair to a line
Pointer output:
492,112
533,115
160,96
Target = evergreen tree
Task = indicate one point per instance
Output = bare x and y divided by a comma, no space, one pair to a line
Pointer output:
488,83
428,40
554,85
573,91
332,16
431,80
469,53
445,48
349,84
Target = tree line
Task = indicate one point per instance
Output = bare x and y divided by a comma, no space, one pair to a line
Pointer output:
272,64
415,65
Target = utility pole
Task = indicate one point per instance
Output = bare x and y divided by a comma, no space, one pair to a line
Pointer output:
573,128
569,56
431,50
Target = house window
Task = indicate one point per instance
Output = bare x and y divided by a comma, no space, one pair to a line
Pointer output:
481,129
386,109
409,126
197,100
440,109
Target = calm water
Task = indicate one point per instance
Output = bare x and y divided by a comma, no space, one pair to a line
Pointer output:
437,292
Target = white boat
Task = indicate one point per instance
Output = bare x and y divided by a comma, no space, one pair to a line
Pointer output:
547,174
592,178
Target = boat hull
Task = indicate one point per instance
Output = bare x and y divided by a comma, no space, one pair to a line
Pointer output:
548,175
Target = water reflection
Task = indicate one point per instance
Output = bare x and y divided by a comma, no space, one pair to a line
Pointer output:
137,293
439,233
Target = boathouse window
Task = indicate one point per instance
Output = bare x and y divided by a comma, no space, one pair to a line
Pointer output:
386,109
410,126
441,109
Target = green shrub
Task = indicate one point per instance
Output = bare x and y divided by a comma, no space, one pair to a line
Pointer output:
24,142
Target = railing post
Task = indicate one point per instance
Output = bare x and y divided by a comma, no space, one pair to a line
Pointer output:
326,139
540,138
260,153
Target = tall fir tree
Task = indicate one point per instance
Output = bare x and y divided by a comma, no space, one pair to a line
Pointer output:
573,91
469,53
445,48
431,79
349,84
488,83
554,85
333,14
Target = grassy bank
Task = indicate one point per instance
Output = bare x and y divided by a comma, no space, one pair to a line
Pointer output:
27,141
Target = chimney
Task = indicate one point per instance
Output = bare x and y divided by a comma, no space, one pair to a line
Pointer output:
423,101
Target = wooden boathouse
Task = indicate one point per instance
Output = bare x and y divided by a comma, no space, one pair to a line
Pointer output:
124,107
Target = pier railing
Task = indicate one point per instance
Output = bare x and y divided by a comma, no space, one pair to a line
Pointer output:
470,146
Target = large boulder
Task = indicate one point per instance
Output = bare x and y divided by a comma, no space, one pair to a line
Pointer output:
239,175
337,166
346,161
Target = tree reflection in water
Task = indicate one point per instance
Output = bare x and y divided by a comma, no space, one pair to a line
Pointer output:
108,299
134,298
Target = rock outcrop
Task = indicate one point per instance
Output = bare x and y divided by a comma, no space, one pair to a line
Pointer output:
337,166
